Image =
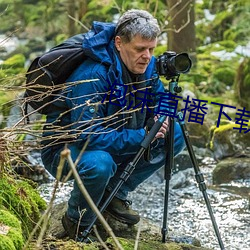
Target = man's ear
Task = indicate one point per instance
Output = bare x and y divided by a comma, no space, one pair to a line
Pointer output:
118,42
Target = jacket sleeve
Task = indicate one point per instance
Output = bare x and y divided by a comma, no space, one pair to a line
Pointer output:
88,115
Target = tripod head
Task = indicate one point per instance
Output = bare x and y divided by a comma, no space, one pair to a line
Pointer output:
174,88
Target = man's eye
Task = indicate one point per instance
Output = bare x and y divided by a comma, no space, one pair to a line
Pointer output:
139,50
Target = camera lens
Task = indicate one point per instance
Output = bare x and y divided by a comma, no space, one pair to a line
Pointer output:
170,64
182,63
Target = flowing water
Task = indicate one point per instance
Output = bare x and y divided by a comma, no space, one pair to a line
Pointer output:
187,212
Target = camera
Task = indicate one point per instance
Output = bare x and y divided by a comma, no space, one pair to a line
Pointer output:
171,65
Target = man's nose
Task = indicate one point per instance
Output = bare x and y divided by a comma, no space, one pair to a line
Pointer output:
146,54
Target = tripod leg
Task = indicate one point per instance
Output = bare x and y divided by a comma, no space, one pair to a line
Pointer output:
168,173
199,178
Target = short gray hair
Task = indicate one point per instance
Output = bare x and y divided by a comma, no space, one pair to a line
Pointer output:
135,22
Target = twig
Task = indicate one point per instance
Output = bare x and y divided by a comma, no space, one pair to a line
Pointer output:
66,154
77,21
137,236
45,217
99,238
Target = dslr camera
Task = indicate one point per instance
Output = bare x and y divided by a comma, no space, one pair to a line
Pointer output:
171,65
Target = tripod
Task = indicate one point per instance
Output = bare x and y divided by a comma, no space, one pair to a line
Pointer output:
174,89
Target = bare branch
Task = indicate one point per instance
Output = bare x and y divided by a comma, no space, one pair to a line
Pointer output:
66,154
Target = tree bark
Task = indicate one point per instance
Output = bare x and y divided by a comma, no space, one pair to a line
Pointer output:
71,6
181,27
83,8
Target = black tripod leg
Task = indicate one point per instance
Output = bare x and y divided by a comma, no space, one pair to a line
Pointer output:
199,177
168,173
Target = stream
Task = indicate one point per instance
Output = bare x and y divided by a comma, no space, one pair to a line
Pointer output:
187,212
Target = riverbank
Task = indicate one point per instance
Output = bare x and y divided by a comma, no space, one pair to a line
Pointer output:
188,216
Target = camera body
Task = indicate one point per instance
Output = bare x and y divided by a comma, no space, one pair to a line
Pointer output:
171,65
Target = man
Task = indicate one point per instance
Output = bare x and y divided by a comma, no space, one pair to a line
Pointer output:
106,115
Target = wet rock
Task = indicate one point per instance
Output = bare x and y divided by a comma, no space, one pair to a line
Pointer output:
231,169
181,179
226,141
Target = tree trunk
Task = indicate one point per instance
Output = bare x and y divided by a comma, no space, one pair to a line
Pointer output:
71,6
181,27
83,7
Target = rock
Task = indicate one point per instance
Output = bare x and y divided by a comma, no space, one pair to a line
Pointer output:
231,169
149,238
181,179
227,142
199,134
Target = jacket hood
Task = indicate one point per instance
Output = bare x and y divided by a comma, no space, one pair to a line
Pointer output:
98,42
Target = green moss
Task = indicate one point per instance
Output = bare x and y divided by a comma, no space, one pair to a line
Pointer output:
223,128
13,239
220,131
16,237
16,61
9,219
13,70
6,243
224,75
21,199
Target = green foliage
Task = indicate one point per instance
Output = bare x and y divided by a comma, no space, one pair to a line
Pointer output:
16,61
12,67
229,23
221,23
160,49
224,75
22,200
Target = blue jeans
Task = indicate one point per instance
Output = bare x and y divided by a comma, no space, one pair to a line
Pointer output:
100,170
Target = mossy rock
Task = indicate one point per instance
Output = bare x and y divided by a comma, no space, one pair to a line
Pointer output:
231,169
21,199
199,133
128,244
242,84
150,236
226,141
11,237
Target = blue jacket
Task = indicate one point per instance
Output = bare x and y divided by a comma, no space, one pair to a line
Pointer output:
92,116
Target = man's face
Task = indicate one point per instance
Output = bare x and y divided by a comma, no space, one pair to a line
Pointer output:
137,53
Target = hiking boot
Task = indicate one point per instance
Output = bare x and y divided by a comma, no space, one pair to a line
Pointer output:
121,211
75,231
